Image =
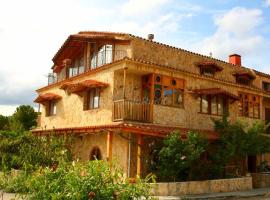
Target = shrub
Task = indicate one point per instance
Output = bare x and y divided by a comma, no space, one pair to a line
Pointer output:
22,150
94,180
177,155
237,141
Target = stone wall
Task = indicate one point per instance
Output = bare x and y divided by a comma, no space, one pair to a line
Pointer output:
84,144
202,187
260,180
189,116
69,110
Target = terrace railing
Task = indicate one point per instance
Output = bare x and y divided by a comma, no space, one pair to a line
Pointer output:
131,111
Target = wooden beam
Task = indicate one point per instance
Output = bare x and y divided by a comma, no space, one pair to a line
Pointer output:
109,146
87,54
124,83
139,152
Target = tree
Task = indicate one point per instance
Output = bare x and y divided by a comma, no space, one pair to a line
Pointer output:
237,141
178,155
24,118
4,123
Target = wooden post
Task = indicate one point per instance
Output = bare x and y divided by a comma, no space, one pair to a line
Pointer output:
152,98
109,146
124,83
87,55
124,93
139,152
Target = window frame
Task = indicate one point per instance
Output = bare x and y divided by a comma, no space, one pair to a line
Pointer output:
209,99
89,100
247,105
51,108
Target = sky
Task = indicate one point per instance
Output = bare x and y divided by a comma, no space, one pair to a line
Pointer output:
31,31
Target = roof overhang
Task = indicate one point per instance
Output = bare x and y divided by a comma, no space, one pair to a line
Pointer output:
208,64
76,42
215,91
42,98
83,85
246,74
129,127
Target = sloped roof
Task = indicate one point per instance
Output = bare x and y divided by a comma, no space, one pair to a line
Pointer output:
47,97
215,91
126,36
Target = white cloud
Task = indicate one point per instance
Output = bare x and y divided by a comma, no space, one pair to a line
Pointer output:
267,2
134,7
7,110
236,33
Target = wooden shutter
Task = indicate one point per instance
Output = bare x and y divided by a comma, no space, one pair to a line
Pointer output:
85,100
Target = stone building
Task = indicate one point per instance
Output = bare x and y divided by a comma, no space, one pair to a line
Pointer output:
116,93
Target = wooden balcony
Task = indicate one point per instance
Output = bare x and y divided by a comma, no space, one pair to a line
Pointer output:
131,111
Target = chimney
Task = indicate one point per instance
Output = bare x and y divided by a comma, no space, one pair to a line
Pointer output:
235,59
151,37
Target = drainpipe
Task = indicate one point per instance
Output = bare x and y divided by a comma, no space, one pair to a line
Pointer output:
129,153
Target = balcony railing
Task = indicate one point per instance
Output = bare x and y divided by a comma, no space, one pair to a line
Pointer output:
97,60
131,111
106,56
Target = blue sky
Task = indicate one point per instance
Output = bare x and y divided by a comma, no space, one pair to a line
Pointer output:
32,31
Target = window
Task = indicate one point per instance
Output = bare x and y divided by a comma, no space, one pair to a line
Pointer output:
243,80
92,98
77,67
249,105
213,104
51,109
95,154
266,86
168,91
81,65
103,56
208,71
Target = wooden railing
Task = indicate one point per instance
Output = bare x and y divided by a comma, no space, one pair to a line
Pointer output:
131,110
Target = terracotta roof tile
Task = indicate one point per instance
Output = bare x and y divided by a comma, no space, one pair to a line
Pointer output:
215,91
47,97
137,128
82,86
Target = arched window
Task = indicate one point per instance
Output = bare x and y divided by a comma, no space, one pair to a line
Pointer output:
95,154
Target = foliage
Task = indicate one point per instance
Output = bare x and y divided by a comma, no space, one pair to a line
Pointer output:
24,118
15,181
178,155
4,122
22,150
237,140
93,180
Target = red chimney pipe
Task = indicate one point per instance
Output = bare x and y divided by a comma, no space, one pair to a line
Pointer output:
235,59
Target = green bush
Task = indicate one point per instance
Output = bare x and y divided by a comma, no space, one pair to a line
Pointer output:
22,150
237,141
94,180
177,156
15,181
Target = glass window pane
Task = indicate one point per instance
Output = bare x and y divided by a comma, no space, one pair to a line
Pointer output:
91,99
214,105
167,96
94,61
204,104
96,98
81,65
220,105
256,110
178,97
52,108
109,53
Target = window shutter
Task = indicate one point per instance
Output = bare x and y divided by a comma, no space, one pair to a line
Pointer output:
47,109
85,100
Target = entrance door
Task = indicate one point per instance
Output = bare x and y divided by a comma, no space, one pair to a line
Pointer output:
267,118
252,164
